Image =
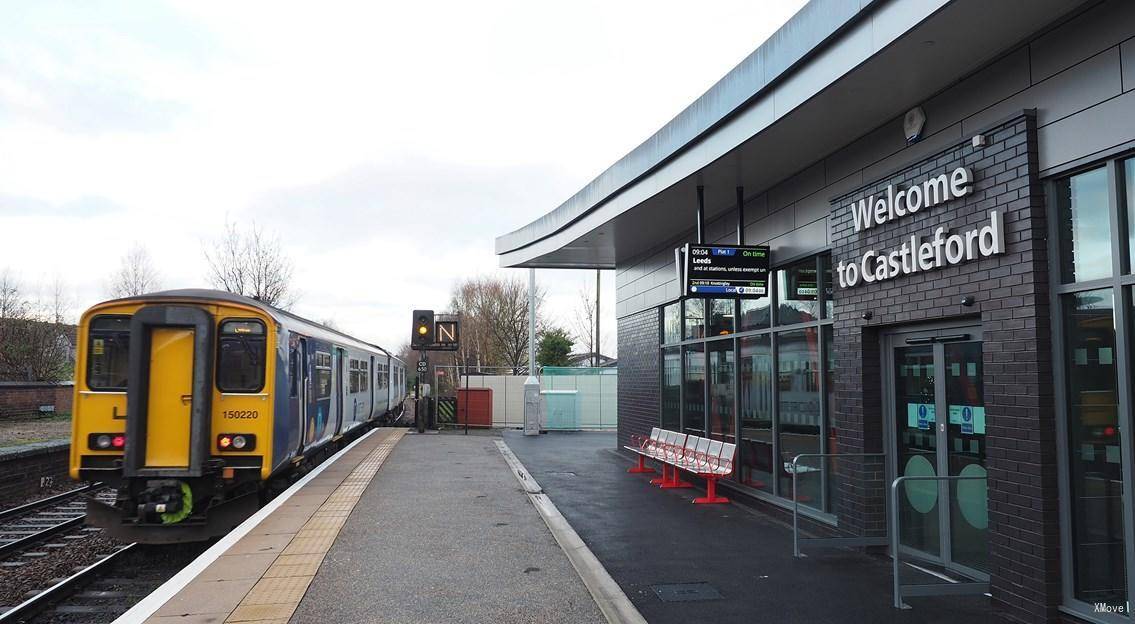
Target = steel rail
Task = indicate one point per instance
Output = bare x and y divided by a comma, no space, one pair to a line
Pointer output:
45,502
56,592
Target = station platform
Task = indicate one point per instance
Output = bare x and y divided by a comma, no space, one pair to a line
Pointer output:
402,527
499,527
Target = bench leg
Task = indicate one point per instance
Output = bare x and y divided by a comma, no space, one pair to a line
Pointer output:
665,478
641,467
711,496
675,481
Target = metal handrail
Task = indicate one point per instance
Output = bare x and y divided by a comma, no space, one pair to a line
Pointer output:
953,589
796,501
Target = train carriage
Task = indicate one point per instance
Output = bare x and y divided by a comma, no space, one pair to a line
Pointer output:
195,404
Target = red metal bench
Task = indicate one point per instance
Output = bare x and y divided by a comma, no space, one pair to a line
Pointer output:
709,459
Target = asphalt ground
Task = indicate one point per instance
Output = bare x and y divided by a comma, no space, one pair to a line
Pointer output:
445,533
648,537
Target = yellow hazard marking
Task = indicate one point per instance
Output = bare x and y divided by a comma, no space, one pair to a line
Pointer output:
278,593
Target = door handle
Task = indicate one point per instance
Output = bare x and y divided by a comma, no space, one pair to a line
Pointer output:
186,399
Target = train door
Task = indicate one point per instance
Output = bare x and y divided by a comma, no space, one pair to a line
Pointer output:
340,395
170,397
299,394
373,390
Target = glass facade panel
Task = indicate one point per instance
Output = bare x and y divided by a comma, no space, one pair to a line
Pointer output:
798,418
722,369
826,284
672,388
1084,222
964,378
672,323
797,293
833,464
754,314
1094,451
722,317
695,319
1129,199
916,422
694,386
756,463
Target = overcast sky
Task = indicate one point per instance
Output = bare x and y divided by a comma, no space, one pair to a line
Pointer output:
386,143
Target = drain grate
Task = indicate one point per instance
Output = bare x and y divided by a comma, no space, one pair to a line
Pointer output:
686,592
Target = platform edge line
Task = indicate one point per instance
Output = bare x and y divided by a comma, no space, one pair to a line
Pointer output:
608,596
156,599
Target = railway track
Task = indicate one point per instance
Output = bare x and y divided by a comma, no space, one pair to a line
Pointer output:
34,523
100,592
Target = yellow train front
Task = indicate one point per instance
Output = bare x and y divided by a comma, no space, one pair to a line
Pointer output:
197,404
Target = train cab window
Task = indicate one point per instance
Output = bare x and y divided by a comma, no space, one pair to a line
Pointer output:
322,375
108,353
240,356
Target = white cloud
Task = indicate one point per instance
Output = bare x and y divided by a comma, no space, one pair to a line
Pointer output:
341,126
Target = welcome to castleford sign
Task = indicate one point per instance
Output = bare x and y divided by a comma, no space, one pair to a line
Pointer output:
942,249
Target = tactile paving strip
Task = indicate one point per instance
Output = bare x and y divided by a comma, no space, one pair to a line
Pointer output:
277,594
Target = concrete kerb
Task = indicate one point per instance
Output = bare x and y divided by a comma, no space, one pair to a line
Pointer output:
608,596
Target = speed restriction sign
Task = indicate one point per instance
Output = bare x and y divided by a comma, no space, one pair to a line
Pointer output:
423,366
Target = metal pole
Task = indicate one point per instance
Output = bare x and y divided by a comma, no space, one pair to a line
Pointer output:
740,215
795,512
898,603
701,214
531,321
466,369
595,357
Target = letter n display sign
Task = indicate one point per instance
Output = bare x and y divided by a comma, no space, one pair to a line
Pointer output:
727,271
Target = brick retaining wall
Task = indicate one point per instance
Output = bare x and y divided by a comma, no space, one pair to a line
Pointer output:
19,399
33,469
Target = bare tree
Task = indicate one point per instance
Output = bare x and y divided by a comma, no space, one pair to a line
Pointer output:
34,342
494,317
583,323
136,274
251,263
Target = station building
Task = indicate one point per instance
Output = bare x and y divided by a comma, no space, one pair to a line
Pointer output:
951,297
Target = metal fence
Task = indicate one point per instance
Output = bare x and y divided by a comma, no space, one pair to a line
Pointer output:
572,399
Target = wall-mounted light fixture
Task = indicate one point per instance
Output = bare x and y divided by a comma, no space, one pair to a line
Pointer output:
867,315
968,300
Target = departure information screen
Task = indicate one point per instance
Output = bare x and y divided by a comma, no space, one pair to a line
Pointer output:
727,270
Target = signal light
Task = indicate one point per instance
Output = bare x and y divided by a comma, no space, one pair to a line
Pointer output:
423,332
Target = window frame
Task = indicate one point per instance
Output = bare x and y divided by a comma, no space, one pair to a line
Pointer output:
217,360
90,360
773,329
1121,282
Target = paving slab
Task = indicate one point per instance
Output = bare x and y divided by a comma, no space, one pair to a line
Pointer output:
723,563
445,533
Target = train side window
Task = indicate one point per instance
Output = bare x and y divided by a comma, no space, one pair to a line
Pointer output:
108,353
240,356
294,373
322,375
364,375
354,376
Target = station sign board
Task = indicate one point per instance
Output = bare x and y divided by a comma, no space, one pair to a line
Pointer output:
726,271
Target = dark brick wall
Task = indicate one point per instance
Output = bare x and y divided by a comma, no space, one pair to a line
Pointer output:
33,470
1012,305
25,399
639,392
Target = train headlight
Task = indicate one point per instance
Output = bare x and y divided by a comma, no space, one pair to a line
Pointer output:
236,442
106,441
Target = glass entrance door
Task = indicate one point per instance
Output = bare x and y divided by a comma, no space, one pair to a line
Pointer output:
938,413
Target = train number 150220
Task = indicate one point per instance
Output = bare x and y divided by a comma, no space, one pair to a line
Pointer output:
240,414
